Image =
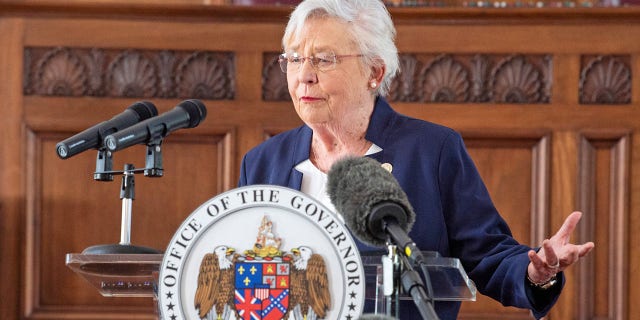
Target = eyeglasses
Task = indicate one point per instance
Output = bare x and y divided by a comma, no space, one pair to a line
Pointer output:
321,62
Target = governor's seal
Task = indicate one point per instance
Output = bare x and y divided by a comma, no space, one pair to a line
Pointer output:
261,252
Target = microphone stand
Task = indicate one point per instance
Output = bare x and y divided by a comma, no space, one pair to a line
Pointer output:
410,254
127,194
412,283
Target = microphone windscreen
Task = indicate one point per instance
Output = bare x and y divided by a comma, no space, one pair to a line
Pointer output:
376,317
196,111
355,185
144,109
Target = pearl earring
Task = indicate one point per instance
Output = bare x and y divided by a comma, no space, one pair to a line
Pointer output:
374,85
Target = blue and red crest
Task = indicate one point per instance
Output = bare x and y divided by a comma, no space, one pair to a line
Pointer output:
262,289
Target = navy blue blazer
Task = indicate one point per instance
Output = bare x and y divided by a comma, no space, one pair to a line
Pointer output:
454,212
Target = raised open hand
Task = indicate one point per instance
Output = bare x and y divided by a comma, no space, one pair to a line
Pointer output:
556,253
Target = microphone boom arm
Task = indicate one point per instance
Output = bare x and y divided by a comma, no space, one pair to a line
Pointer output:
400,238
412,284
388,218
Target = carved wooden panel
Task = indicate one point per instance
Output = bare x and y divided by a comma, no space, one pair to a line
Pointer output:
456,78
605,80
274,81
129,73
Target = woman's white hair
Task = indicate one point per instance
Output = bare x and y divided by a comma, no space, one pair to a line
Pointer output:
369,24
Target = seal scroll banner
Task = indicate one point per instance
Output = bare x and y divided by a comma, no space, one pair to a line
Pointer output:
261,252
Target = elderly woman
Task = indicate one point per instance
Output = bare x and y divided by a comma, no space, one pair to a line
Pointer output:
340,58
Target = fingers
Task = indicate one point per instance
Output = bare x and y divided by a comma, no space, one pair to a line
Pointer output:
584,249
535,271
546,260
562,238
539,270
551,259
535,259
568,226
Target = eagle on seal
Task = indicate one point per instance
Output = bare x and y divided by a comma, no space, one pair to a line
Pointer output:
216,287
309,286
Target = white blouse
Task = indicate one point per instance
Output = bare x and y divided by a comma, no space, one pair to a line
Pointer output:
314,181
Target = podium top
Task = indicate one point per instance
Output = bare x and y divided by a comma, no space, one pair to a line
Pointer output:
118,275
449,281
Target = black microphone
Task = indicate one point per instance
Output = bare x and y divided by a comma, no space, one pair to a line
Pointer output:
93,137
187,114
374,206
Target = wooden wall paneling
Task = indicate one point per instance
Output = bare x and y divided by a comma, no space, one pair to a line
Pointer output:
635,80
82,301
72,212
124,3
514,167
605,79
603,197
564,179
153,34
533,36
473,78
274,81
564,92
634,221
12,201
542,140
50,281
187,158
540,190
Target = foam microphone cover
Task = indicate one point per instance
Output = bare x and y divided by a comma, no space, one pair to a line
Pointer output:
355,186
